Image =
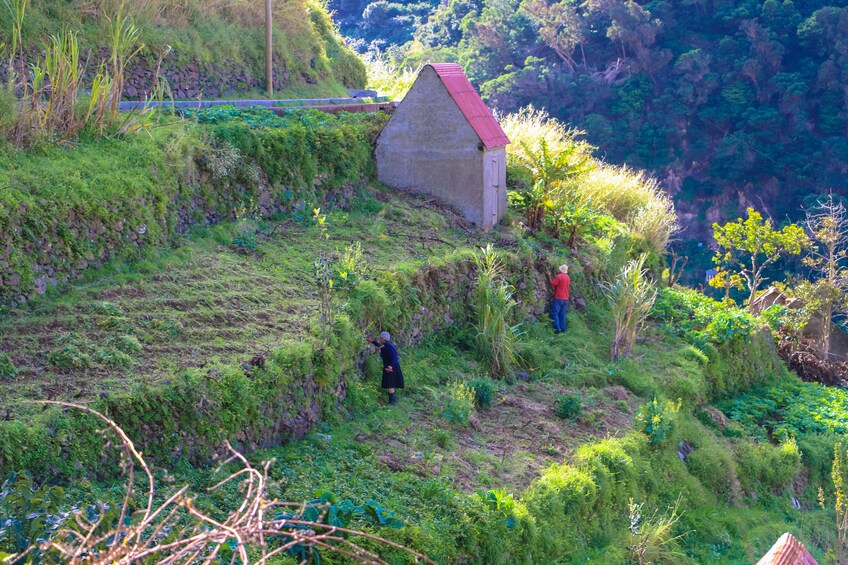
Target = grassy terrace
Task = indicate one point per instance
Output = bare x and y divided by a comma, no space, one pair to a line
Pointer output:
207,300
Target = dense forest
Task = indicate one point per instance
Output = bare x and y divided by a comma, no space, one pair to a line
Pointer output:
730,103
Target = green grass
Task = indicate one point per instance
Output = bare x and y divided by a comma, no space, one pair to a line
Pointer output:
413,461
208,301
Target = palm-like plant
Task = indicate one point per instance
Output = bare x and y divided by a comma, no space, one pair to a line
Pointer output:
631,297
548,168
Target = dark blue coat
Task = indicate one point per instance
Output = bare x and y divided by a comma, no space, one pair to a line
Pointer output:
389,354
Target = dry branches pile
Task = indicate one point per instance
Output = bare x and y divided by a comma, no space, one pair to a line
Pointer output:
176,531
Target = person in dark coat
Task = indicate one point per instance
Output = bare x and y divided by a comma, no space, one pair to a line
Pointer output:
392,374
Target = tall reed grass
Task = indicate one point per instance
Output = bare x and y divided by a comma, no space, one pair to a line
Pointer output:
387,78
631,296
631,197
496,339
52,103
530,126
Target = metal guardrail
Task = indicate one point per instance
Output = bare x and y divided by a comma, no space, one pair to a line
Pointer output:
299,103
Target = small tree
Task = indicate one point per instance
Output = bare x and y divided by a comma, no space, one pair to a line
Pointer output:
828,225
631,296
748,247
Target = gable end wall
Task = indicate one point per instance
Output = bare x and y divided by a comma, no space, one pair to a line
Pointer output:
428,146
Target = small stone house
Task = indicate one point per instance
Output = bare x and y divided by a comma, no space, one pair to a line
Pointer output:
444,141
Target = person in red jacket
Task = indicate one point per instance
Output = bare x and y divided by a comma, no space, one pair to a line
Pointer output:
559,305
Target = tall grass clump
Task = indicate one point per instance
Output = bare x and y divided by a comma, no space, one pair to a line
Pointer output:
387,78
633,198
52,102
531,126
631,296
496,339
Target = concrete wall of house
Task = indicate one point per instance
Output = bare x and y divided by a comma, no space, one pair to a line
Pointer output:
494,186
428,146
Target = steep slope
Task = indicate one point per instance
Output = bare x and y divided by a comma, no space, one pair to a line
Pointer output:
214,49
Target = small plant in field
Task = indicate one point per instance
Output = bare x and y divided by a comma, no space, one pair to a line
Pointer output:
656,420
350,268
320,221
568,407
484,392
443,438
69,356
837,474
112,358
325,288
126,344
107,309
30,513
496,339
499,501
246,228
459,403
651,540
8,371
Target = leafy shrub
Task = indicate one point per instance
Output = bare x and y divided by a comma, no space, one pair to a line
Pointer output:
656,420
699,319
30,513
460,402
790,409
8,371
341,512
568,407
484,392
499,501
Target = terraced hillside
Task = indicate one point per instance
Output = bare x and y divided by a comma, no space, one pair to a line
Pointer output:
209,300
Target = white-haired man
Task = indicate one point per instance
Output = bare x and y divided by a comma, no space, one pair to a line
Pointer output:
559,305
392,374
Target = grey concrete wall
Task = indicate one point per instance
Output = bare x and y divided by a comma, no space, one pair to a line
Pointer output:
494,186
428,146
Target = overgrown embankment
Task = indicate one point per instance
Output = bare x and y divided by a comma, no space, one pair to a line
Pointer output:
213,49
66,210
190,414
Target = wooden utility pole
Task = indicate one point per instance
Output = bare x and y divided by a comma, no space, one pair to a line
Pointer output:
269,50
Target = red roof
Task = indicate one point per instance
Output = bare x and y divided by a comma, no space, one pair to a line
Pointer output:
471,105
787,551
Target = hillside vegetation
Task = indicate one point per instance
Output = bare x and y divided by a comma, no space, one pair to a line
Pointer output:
211,49
657,428
730,104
